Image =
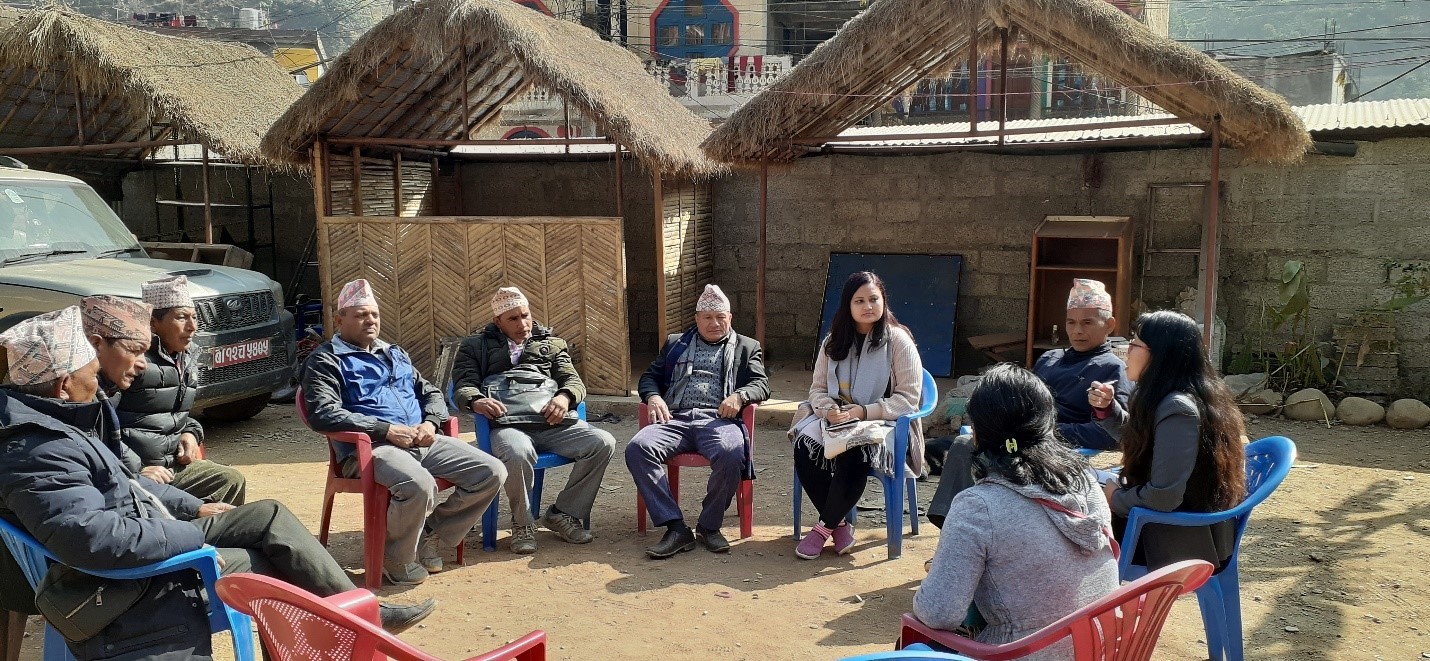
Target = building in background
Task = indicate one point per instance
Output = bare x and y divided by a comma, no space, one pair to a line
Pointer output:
1314,77
300,52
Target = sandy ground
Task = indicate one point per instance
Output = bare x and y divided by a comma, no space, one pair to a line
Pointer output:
1338,556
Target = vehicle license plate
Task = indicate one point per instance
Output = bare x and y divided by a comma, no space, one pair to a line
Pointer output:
233,354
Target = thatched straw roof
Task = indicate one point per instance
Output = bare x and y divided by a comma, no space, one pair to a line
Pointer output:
895,42
404,79
222,95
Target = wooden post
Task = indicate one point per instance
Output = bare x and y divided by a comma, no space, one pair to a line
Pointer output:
326,158
435,174
1003,86
566,126
12,632
1211,244
760,265
208,205
79,110
466,109
972,95
397,184
657,186
357,180
320,180
620,186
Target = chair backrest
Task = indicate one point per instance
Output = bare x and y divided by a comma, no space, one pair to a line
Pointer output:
27,551
1125,625
296,624
928,395
1268,461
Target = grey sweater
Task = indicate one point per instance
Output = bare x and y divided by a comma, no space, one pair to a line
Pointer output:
1023,564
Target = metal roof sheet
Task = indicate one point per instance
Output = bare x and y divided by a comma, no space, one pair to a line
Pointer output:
1321,118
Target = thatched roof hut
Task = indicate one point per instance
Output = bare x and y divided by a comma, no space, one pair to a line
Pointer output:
441,70
895,42
69,80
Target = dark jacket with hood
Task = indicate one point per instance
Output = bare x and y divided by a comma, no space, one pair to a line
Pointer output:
66,486
488,353
154,410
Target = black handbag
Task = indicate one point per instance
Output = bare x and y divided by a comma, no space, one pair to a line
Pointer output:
80,605
524,392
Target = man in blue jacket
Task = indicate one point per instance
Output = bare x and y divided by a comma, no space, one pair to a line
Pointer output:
62,481
357,382
1069,373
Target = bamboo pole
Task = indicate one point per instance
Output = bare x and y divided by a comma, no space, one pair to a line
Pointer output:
763,245
1212,242
208,203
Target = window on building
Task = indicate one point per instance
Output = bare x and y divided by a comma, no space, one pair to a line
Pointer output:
722,34
694,35
670,35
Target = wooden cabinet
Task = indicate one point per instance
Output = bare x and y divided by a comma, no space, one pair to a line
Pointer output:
1069,247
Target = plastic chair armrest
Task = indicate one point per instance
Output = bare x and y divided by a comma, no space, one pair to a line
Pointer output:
530,647
449,427
351,437
982,651
1139,516
361,603
188,560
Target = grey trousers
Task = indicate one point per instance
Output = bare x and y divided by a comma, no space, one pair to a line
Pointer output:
410,476
211,482
720,440
590,448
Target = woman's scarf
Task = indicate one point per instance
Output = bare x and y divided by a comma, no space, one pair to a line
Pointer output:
863,377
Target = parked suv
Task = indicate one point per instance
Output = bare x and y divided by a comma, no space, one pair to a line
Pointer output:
59,241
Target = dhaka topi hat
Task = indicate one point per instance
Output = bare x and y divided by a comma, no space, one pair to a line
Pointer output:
171,292
712,300
48,347
115,318
355,293
1089,294
508,298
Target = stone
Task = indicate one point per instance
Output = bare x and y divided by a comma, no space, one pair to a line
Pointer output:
1309,404
1407,414
1261,402
1244,384
1359,411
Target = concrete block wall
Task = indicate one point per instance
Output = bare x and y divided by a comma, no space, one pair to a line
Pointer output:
1340,215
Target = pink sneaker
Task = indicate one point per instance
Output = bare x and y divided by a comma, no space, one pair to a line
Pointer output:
813,543
843,538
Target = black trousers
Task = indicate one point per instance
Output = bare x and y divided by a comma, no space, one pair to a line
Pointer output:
957,475
265,538
833,485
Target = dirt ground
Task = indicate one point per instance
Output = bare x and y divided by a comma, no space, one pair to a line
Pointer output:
1335,565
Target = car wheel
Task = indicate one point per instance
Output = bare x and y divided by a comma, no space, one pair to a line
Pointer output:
236,411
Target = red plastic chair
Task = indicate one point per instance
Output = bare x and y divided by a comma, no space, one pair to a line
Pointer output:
299,625
1123,626
374,495
744,498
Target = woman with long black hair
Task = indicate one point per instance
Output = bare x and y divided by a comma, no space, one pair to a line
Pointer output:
867,375
1181,438
1031,540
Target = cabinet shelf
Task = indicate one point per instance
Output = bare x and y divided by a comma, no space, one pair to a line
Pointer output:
1065,247
1075,267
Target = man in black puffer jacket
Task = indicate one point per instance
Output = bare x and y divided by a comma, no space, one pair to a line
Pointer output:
154,409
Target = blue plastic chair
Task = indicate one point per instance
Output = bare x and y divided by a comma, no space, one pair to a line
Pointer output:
894,487
34,560
544,460
915,652
1267,463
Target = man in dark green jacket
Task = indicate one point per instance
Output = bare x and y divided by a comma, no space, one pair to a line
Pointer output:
514,341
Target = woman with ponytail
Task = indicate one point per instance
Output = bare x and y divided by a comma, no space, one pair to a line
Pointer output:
1030,541
1181,438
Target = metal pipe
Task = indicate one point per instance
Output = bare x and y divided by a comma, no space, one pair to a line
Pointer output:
763,245
972,96
1212,243
1003,87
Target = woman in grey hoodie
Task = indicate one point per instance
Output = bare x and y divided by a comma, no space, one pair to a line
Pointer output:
1031,541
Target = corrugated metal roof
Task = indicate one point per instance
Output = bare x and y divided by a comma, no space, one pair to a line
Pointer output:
1393,113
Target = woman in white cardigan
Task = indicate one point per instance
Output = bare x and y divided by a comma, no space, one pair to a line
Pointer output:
867,375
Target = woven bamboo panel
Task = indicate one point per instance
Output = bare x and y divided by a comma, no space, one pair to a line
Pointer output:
435,277
688,244
379,192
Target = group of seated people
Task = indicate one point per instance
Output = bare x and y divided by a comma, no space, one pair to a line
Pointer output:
101,462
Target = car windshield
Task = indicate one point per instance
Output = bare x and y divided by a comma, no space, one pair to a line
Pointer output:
42,218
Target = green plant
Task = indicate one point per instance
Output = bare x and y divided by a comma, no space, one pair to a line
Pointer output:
1281,344
1410,288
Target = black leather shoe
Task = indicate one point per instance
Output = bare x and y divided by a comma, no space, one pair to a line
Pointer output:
397,619
714,541
672,543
